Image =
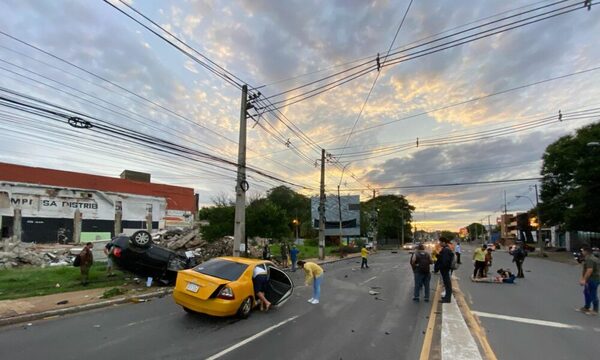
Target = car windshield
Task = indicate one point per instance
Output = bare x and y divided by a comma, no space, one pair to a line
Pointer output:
223,269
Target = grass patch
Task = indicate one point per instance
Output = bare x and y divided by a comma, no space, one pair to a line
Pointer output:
113,292
35,281
306,252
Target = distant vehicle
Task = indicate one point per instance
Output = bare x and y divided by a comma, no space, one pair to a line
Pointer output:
409,246
223,286
579,256
139,255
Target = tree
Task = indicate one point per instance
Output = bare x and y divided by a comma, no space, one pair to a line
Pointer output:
295,206
390,210
570,189
449,234
220,219
265,219
476,229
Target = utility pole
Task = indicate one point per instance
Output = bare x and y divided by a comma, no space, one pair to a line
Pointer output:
322,209
402,226
239,229
539,227
376,226
489,229
504,202
340,210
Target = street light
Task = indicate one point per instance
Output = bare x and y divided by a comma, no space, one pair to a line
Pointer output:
296,224
539,219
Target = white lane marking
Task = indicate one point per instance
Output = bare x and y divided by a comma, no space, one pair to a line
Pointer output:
366,281
528,321
251,338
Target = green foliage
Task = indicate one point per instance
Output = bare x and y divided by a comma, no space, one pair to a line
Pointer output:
311,242
570,191
112,293
306,251
266,219
221,219
390,211
294,206
449,234
476,229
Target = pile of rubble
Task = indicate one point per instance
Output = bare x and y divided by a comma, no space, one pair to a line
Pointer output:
191,240
15,254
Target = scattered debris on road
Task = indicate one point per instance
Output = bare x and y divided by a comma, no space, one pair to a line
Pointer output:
373,292
63,302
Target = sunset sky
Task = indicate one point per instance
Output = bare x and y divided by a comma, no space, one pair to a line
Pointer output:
505,90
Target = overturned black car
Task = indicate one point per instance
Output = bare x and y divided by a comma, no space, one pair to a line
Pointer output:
139,255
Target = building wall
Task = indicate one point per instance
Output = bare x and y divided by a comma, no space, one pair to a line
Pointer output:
48,212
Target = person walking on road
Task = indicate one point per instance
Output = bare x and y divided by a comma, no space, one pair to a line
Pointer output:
488,262
314,275
479,258
363,254
590,278
457,252
294,257
519,255
86,259
444,264
421,264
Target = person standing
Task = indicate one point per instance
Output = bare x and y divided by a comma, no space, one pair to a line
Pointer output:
590,278
284,254
294,257
109,262
457,252
479,258
519,255
363,254
266,254
444,264
314,275
488,262
86,260
421,264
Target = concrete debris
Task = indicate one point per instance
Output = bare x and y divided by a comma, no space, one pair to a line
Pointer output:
16,254
372,292
63,302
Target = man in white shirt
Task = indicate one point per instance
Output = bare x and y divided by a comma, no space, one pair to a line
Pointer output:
457,251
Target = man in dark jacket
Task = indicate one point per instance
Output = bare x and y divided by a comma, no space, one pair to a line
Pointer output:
87,259
519,255
444,264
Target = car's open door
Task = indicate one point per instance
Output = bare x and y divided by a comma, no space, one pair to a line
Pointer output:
280,287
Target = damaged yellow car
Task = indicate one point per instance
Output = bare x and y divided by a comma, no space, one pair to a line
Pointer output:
223,286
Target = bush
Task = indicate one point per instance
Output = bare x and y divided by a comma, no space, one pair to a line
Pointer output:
311,242
359,243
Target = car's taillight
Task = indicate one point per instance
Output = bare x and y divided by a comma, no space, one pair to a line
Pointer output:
117,252
226,293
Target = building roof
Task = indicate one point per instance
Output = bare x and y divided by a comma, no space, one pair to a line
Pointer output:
178,198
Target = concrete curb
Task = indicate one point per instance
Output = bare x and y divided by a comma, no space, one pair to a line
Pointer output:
121,300
74,309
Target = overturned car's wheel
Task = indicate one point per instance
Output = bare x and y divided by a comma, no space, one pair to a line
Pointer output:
245,309
141,238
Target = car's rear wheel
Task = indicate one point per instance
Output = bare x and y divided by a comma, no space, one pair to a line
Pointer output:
141,238
245,308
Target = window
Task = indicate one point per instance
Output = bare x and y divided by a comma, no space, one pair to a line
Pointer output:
223,269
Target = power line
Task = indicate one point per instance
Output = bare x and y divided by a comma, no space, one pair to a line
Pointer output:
450,44
452,184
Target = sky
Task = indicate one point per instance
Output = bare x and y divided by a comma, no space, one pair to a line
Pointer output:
481,110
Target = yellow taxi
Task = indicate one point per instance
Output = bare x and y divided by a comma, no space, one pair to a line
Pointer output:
223,286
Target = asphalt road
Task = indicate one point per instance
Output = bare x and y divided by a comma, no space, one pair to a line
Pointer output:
536,318
347,324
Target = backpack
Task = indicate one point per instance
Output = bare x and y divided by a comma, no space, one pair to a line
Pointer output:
77,261
422,262
454,264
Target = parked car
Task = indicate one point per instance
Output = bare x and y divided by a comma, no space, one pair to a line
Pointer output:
223,287
409,246
139,255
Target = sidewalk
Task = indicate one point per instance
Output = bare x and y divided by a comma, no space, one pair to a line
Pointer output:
40,307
